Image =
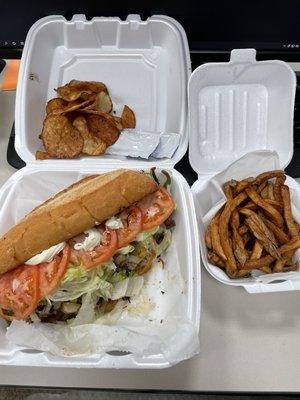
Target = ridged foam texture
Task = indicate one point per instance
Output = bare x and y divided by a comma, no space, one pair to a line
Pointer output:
238,107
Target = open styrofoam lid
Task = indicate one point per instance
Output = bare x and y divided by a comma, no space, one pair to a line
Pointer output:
238,107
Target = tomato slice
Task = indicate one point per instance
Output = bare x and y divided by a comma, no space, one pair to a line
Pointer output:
19,292
156,208
132,219
51,274
103,252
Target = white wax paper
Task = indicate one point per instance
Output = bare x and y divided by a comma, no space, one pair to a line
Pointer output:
155,322
251,164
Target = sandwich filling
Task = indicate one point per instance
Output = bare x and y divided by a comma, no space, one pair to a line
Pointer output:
96,268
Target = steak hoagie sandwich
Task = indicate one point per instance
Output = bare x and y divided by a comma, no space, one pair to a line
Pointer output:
92,242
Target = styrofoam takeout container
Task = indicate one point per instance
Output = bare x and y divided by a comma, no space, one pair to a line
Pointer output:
145,64
236,108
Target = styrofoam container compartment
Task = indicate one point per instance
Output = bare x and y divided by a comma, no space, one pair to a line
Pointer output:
146,65
235,108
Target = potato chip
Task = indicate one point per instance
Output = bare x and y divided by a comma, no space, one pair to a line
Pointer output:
60,138
128,118
92,145
80,89
103,128
55,104
118,122
73,106
102,103
92,86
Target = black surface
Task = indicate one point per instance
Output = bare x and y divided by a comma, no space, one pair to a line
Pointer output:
266,24
2,65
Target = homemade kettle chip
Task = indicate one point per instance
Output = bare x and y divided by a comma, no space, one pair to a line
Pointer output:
86,125
60,138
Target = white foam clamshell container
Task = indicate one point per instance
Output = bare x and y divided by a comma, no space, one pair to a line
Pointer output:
145,64
238,107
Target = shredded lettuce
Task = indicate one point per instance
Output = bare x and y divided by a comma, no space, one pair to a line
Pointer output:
126,250
146,234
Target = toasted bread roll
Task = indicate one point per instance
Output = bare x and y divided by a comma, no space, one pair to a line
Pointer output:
70,212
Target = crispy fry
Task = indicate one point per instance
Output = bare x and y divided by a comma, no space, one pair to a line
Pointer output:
256,251
243,229
208,237
264,193
266,269
270,187
280,264
250,205
214,259
277,188
293,267
261,187
215,236
267,175
237,241
260,235
228,191
259,222
279,234
223,230
275,204
287,211
239,274
242,185
293,244
271,211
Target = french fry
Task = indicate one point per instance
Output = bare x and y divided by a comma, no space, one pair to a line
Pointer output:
270,187
287,211
238,244
265,176
227,188
214,259
267,269
223,230
279,234
256,251
293,267
277,188
269,210
242,185
262,186
280,264
259,223
215,236
208,237
255,229
262,238
243,229
293,244
265,192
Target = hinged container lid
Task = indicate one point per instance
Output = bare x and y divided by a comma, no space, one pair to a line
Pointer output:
238,107
145,64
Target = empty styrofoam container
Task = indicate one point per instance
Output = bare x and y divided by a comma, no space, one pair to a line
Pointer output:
243,110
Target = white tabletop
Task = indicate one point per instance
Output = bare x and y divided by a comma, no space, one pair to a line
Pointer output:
248,342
